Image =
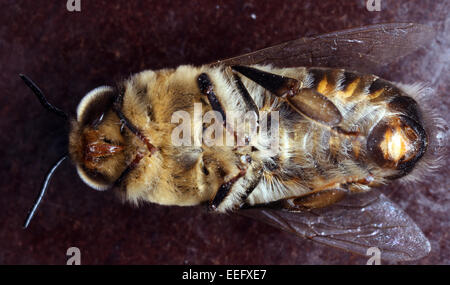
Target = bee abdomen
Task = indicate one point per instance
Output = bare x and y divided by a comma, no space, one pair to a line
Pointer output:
350,86
345,85
385,121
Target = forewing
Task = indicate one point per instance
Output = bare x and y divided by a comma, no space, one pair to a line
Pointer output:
361,49
357,223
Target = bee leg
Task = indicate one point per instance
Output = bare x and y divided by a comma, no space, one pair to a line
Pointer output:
329,195
248,100
129,168
224,190
316,200
206,87
315,106
249,184
280,86
250,187
306,101
117,107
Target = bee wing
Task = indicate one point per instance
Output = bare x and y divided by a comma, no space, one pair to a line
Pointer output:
357,223
361,49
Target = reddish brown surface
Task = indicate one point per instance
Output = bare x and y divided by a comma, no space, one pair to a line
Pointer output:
68,54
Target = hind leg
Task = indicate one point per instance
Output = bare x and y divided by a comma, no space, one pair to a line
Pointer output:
316,200
307,101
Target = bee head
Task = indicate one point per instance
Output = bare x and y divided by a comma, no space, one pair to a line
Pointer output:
96,143
96,140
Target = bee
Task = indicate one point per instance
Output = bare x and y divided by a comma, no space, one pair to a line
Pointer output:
302,138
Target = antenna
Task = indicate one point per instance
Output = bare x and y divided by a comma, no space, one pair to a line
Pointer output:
43,190
41,97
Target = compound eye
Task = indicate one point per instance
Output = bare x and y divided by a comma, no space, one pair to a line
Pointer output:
397,142
94,105
93,179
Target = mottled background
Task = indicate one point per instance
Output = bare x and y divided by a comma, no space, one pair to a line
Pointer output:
69,53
